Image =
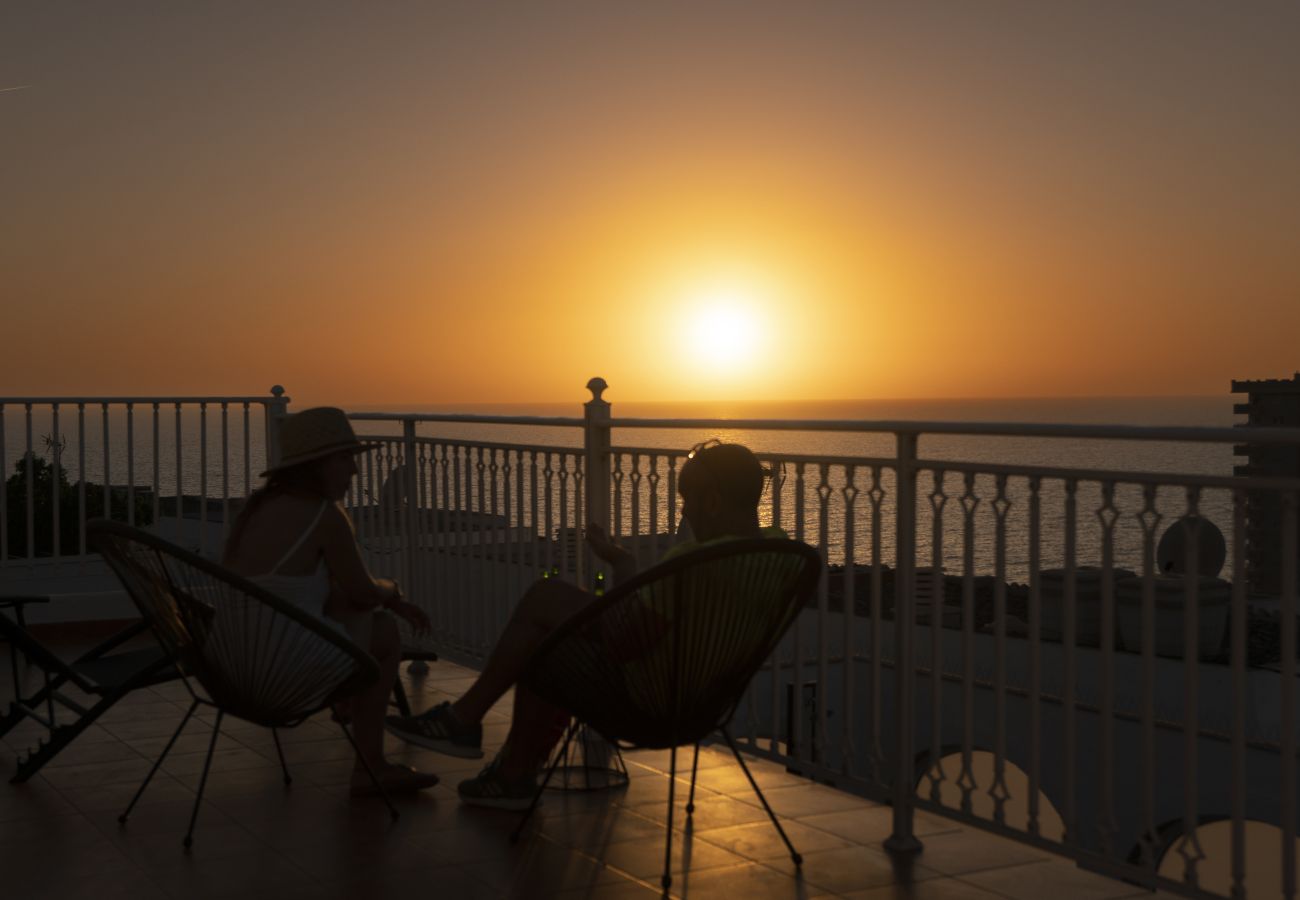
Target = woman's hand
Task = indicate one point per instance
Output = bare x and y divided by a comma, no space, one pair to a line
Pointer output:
410,614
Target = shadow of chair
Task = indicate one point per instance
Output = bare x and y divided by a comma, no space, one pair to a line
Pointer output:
662,661
251,654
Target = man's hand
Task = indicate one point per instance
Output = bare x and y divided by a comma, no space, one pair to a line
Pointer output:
601,545
620,558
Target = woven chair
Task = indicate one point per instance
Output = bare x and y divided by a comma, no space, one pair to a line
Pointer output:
251,654
662,660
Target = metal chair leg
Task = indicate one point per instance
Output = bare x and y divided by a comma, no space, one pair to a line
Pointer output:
667,878
374,779
203,780
794,854
399,699
284,767
537,797
695,765
158,762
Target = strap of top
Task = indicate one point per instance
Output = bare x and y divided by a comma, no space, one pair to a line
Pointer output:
302,537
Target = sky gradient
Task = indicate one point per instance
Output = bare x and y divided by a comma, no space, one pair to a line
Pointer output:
463,202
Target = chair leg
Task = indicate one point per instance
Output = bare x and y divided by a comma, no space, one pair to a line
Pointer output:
794,854
667,878
399,699
203,780
546,779
695,766
374,779
279,751
158,762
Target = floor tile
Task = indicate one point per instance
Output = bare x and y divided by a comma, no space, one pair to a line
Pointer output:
542,862
644,858
807,799
933,889
850,868
760,841
753,881
1025,882
871,825
971,850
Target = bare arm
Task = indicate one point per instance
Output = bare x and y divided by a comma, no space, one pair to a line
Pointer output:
622,560
346,567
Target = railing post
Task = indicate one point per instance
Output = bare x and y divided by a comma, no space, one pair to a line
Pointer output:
902,839
276,409
596,443
410,505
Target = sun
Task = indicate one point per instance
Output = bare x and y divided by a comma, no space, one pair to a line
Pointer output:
724,328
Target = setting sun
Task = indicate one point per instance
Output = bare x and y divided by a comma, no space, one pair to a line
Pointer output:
724,328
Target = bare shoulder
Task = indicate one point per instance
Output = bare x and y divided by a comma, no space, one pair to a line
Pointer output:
336,524
272,529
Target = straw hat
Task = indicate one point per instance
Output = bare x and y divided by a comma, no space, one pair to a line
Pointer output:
313,434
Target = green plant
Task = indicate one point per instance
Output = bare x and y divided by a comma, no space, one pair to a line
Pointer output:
45,486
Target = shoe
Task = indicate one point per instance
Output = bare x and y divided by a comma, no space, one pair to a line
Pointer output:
492,790
396,780
439,729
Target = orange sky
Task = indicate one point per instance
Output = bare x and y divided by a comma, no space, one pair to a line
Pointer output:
470,202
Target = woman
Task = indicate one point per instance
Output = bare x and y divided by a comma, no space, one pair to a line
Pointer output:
295,539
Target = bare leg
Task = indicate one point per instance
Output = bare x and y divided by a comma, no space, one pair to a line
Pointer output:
543,606
371,702
535,727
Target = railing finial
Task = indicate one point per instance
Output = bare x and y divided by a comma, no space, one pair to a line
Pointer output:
277,391
597,387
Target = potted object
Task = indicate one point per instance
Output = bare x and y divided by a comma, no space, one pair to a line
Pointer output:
1087,603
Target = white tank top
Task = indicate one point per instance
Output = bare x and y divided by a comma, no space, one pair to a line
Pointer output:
307,592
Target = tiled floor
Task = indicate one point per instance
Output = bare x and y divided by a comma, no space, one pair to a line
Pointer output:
60,838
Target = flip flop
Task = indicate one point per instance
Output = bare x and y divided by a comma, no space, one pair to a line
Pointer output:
396,779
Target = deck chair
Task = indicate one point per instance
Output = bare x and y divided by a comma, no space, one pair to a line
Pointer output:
106,672
662,661
250,654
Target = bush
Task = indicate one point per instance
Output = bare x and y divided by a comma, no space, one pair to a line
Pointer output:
69,494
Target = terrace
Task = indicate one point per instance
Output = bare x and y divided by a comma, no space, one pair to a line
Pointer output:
990,669
256,838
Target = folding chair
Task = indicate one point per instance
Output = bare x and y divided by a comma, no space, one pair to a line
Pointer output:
106,672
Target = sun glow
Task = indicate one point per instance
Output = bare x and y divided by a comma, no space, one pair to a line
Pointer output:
724,328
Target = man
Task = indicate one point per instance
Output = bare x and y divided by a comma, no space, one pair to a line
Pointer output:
720,486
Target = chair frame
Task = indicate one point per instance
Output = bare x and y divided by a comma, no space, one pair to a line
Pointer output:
99,671
801,589
100,533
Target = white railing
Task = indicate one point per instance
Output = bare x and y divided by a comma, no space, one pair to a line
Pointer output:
995,639
174,464
1044,694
